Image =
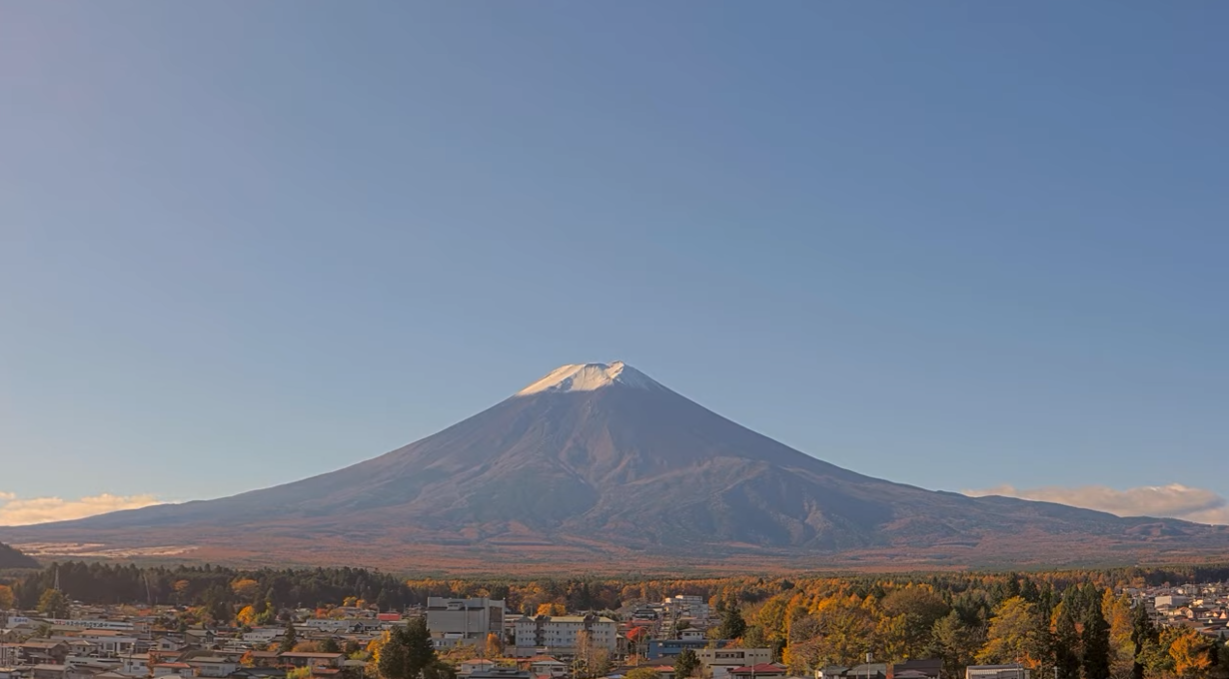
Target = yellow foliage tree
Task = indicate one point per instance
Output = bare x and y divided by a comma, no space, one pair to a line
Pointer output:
839,631
1118,613
307,647
246,616
246,589
1016,634
374,647
494,646
6,597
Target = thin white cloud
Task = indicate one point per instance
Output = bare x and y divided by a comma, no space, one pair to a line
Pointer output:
1174,500
15,511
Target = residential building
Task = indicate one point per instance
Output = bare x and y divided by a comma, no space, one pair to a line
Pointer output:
36,651
264,658
662,647
177,669
1013,671
117,625
134,664
213,666
501,673
86,670
563,633
468,667
110,643
456,622
719,661
863,671
168,645
1171,601
259,673
686,606
760,671
320,660
546,666
928,668
47,671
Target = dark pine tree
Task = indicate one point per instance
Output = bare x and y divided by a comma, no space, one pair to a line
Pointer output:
289,638
409,653
1066,644
1095,640
686,663
1142,632
732,624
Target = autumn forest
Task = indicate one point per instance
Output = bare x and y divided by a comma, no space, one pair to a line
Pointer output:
1066,624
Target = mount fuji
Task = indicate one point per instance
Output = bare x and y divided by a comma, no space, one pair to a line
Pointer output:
598,464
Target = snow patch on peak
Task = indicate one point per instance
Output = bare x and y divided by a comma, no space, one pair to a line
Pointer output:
589,377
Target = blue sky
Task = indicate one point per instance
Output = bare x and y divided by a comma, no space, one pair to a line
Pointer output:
957,245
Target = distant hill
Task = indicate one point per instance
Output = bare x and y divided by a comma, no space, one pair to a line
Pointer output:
12,558
600,465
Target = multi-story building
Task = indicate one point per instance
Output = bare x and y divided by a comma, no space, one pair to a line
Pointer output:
686,606
663,647
10,655
719,661
1014,671
316,660
562,634
110,643
1171,601
456,622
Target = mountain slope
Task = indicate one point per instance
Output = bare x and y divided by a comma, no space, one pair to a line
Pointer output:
12,558
600,459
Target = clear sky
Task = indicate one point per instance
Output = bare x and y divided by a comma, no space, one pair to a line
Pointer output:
956,244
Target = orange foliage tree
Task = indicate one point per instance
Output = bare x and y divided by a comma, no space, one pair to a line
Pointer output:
245,588
552,609
1189,651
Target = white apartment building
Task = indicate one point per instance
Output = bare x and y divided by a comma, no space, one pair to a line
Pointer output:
457,622
562,633
719,661
107,643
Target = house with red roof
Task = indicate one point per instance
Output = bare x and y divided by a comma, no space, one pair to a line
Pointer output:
758,671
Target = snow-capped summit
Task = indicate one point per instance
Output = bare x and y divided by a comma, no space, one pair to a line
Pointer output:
598,462
590,377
